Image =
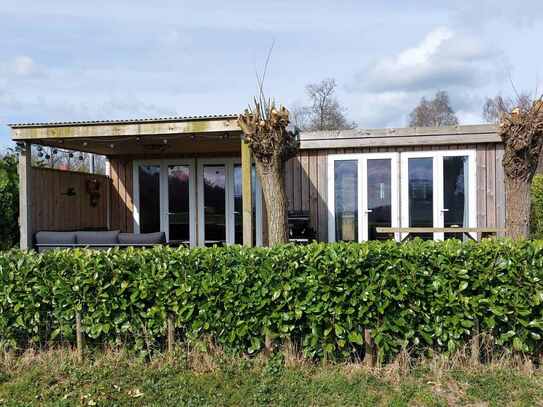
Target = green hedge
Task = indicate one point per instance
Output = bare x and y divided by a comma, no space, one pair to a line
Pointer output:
418,295
537,207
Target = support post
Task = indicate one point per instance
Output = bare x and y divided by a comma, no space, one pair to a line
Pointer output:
25,196
79,336
370,357
476,344
247,194
170,339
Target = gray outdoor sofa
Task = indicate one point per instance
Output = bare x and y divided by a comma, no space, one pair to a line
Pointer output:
100,240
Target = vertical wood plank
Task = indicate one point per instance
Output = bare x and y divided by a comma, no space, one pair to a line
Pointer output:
115,213
481,185
121,170
313,191
289,174
304,177
297,183
25,197
500,189
247,195
322,182
491,185
129,187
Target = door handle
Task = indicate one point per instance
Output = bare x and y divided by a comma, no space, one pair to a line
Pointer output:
444,210
368,210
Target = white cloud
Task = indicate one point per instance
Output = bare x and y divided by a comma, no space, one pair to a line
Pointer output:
443,59
24,66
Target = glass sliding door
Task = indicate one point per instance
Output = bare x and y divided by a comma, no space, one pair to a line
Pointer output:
220,202
438,190
455,193
378,198
165,199
214,195
149,198
421,194
346,200
179,204
364,196
238,204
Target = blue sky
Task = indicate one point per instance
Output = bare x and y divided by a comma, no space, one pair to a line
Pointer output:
75,60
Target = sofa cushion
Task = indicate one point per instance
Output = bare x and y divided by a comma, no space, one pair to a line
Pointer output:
142,238
98,238
45,237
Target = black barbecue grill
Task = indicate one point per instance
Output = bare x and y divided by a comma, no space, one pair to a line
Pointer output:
299,229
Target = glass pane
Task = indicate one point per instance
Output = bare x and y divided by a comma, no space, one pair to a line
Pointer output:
421,195
346,199
379,198
149,190
455,202
238,204
214,204
179,203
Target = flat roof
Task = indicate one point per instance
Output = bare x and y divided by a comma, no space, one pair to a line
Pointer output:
122,121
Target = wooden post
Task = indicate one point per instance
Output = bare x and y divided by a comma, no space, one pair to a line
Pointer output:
79,336
25,196
476,344
247,194
171,334
370,356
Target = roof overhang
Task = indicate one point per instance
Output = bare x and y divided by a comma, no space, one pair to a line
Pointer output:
122,128
401,137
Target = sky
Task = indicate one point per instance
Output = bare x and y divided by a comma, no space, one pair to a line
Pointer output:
121,59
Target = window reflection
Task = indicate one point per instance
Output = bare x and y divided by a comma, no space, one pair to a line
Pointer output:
379,197
421,194
214,204
179,203
455,202
149,199
346,199
238,203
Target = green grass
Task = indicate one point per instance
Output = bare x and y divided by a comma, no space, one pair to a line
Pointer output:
56,378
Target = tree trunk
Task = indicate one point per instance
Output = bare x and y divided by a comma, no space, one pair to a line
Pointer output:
518,200
275,197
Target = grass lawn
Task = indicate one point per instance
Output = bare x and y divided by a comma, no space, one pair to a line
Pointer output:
110,379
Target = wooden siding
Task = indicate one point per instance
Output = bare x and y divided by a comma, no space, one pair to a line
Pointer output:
490,181
54,209
121,201
306,181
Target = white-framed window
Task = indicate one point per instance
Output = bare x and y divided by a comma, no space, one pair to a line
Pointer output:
220,202
194,201
165,198
363,194
438,189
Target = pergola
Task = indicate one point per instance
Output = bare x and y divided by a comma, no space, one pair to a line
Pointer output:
131,139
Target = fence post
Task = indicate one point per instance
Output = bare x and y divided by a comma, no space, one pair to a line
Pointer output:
370,356
268,345
79,336
475,344
171,334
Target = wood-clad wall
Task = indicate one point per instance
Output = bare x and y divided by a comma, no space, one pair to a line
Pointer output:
306,180
122,206
60,201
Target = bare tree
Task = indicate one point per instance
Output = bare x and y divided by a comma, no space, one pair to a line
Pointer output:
325,112
265,129
494,108
521,131
433,113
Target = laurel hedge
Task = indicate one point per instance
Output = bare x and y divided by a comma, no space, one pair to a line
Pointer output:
416,295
